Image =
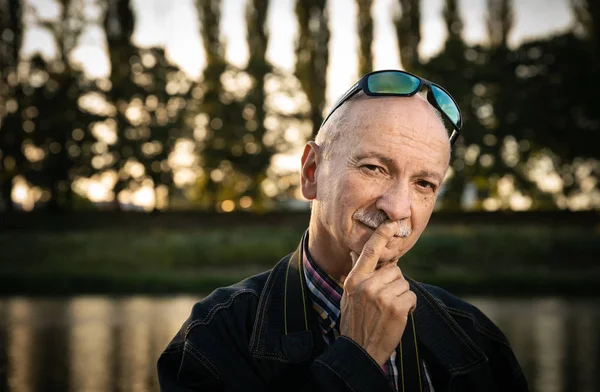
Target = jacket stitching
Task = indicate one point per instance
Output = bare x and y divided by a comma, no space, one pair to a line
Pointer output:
262,318
255,343
208,365
485,331
176,347
275,356
444,318
213,311
260,311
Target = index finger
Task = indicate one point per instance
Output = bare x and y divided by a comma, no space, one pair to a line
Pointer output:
369,257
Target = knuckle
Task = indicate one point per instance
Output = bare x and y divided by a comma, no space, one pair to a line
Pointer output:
398,309
369,289
368,251
401,274
404,286
350,282
398,273
413,298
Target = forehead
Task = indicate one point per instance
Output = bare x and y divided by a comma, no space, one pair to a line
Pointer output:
396,123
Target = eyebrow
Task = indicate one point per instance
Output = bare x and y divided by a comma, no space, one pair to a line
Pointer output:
427,173
387,160
390,162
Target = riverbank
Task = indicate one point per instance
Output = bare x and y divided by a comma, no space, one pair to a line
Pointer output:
467,259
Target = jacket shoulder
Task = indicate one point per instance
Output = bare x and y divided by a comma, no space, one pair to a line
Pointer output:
225,298
468,316
219,324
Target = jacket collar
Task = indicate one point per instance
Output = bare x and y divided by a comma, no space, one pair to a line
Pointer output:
286,329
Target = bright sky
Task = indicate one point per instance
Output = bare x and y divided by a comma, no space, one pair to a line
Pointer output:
174,24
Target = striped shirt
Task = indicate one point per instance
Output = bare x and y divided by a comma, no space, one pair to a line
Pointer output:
326,295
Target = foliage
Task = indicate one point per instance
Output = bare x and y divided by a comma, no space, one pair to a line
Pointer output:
365,36
312,55
529,140
463,258
527,112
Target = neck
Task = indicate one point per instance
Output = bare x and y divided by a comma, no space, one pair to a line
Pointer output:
326,251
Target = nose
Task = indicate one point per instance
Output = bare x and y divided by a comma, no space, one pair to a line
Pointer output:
396,201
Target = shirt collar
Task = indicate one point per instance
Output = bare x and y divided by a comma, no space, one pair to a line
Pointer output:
325,292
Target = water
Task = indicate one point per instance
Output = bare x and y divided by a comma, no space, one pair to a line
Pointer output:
111,344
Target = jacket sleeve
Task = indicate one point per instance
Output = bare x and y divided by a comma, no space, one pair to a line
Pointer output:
344,366
503,367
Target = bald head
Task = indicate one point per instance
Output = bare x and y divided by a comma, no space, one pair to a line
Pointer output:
363,112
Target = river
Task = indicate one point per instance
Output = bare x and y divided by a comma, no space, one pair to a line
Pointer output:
103,343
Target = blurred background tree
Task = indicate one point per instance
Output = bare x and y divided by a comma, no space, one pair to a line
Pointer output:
150,134
312,55
365,36
11,94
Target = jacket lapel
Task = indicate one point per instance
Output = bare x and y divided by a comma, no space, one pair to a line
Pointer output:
285,327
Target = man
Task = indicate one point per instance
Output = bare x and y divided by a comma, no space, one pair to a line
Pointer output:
338,314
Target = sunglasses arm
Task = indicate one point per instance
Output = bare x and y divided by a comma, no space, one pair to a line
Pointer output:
349,94
455,134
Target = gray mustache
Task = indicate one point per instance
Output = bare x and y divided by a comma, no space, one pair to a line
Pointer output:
375,219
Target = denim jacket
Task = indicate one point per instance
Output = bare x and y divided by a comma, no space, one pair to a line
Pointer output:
261,334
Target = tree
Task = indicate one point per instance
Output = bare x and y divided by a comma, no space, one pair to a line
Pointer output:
499,22
59,111
408,31
454,26
47,94
312,55
365,36
254,162
119,24
211,144
11,96
455,73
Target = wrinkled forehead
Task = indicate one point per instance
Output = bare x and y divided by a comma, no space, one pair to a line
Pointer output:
412,117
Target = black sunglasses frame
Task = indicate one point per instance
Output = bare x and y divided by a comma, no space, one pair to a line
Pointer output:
363,85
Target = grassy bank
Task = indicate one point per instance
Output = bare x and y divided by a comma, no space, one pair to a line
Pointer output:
469,259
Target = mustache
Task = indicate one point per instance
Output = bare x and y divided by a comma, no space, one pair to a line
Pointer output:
375,218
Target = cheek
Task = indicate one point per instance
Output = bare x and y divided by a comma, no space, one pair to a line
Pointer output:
358,192
423,205
352,193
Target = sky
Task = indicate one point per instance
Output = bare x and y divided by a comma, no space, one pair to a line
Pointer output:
174,25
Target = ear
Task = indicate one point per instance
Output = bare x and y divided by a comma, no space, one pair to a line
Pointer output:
310,161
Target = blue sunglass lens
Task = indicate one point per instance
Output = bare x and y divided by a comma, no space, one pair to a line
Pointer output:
446,104
393,83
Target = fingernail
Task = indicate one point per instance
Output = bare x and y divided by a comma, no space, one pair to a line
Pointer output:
391,225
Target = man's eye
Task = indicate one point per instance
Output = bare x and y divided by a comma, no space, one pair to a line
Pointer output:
426,184
372,168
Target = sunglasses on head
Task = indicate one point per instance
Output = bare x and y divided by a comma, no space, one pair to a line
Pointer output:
404,84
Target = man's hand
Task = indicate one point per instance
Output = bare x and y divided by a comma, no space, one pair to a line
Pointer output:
376,303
